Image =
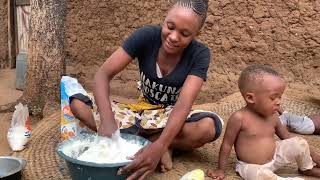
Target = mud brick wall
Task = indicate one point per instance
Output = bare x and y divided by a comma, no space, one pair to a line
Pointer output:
96,28
284,34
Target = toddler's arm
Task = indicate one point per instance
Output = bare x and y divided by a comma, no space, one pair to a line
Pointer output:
281,130
232,131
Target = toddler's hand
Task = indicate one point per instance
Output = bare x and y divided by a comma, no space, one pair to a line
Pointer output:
215,174
280,110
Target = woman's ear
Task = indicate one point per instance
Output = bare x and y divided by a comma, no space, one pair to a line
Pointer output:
249,97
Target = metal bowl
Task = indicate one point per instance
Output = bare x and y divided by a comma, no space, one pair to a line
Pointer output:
83,170
10,167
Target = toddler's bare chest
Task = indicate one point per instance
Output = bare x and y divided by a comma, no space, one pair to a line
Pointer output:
259,129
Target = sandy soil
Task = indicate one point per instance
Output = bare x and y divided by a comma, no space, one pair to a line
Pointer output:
5,123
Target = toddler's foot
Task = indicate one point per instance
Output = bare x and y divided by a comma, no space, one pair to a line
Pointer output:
166,161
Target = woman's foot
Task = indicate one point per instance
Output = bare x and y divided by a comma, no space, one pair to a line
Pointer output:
166,161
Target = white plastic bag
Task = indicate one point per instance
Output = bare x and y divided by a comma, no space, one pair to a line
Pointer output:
20,131
70,126
72,86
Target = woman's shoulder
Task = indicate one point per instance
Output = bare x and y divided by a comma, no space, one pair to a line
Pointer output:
197,48
197,45
150,29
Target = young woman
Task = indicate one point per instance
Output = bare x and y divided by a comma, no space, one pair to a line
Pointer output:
173,67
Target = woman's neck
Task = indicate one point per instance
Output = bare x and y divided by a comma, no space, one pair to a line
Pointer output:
165,55
167,62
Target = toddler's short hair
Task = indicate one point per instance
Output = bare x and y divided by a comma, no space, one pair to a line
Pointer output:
251,75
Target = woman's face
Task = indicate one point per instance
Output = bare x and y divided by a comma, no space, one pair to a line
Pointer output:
179,28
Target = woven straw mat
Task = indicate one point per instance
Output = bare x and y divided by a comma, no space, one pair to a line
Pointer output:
44,163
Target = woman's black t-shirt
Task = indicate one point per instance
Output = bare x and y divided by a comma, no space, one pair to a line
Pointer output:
144,45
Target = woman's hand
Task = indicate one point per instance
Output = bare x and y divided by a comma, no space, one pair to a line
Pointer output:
107,128
144,162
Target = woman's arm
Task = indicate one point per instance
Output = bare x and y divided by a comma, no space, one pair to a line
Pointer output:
180,111
112,66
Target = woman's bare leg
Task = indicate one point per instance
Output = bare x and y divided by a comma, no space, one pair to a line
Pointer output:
192,135
83,112
166,163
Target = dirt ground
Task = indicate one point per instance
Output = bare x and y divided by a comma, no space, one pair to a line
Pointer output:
5,123
8,94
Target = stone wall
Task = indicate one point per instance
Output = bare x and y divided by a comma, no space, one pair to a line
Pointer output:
3,34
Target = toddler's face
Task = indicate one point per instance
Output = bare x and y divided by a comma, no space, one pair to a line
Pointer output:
268,95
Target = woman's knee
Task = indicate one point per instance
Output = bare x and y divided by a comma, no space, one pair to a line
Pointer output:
207,130
83,112
80,110
76,105
199,133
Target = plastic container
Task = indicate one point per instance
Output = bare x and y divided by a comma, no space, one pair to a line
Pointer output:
21,66
82,170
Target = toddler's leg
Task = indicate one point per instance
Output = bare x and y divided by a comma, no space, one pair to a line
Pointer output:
315,171
292,150
298,124
254,172
296,149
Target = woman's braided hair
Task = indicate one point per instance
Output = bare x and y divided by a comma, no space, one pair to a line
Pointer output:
200,7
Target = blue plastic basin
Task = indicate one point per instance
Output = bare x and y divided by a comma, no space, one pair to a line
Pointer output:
83,170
